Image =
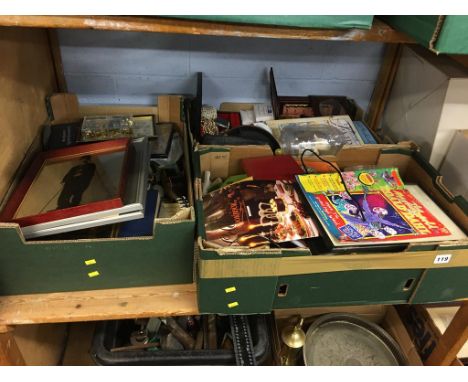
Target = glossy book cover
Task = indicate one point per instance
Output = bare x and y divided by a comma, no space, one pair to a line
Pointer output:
255,214
381,209
389,215
356,181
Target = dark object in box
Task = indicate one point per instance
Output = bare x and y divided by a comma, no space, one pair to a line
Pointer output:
243,135
107,335
61,135
233,118
309,106
161,143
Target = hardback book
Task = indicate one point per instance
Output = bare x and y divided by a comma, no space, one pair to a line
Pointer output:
143,226
274,167
61,135
256,214
381,210
364,133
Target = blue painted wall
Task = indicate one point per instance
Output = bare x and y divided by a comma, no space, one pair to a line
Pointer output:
133,68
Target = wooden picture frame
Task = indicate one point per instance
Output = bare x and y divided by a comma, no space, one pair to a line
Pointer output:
69,182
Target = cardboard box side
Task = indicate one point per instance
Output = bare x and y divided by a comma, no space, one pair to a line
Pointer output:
171,110
454,110
46,267
374,313
444,64
421,28
453,169
431,184
441,34
224,161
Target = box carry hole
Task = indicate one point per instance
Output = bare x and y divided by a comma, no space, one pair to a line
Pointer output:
408,284
283,290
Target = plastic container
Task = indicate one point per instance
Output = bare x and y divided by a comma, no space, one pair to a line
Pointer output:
108,332
324,139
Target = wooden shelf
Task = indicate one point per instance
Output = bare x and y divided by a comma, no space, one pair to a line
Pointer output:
379,32
109,304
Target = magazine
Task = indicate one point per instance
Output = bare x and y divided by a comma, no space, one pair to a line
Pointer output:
388,211
356,181
256,213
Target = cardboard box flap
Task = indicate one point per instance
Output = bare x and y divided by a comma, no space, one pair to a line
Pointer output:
224,161
63,107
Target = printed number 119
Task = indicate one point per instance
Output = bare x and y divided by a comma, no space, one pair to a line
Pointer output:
442,259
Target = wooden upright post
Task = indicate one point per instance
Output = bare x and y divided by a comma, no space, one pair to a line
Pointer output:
452,340
383,86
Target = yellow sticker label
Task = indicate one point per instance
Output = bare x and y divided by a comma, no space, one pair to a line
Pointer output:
93,274
316,183
366,179
230,290
90,262
233,305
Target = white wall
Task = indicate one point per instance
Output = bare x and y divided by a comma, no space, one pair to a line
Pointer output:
132,68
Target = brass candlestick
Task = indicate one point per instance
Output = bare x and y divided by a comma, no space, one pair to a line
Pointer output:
293,338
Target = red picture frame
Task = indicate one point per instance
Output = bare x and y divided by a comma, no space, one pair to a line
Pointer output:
89,151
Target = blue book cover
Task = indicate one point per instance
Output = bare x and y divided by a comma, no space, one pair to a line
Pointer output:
144,226
364,133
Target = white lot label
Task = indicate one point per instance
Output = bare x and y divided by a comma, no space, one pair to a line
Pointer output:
442,259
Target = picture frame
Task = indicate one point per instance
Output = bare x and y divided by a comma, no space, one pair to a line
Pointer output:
134,200
70,182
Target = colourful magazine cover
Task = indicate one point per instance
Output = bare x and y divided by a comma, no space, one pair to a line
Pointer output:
388,211
358,180
256,213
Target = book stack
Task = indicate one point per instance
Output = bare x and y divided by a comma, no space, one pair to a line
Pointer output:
379,209
375,209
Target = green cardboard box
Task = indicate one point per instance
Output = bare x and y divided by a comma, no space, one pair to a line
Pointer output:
242,281
73,265
441,34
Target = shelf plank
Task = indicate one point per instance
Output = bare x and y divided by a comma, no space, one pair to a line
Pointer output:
379,32
95,305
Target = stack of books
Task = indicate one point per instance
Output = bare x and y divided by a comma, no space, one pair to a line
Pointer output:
375,209
380,209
